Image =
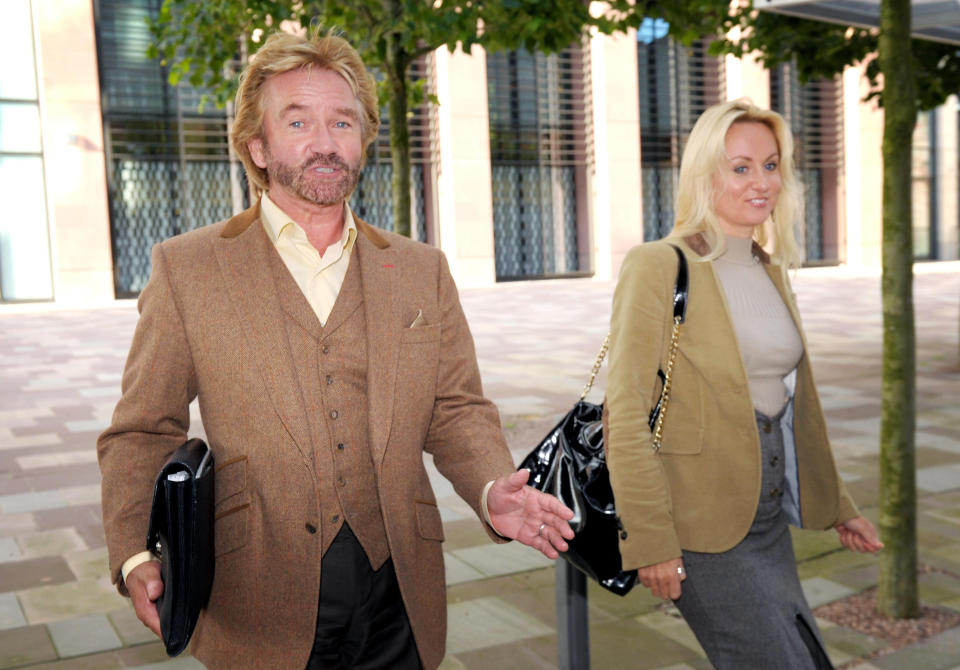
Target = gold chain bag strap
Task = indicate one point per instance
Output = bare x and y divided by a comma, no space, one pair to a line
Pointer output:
681,294
596,366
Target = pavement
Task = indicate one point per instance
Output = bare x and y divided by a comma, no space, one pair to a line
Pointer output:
536,342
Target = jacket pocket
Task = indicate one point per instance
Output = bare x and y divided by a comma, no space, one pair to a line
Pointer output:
428,521
230,479
424,333
231,508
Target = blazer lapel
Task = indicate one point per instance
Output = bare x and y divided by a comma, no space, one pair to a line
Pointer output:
380,273
242,253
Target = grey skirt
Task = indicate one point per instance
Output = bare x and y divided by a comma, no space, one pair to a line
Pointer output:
745,606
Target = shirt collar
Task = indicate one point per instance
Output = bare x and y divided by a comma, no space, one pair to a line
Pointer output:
276,221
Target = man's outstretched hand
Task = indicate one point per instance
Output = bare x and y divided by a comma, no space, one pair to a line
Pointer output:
527,515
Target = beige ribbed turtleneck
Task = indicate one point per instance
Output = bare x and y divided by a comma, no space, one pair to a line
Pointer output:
768,338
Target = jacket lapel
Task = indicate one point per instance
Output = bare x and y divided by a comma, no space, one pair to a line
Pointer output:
243,254
380,273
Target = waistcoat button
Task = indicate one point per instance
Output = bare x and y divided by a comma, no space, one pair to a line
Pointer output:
311,528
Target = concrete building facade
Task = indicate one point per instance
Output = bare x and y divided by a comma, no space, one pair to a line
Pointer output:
530,166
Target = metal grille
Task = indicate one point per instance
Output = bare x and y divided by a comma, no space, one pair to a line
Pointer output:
814,113
677,84
534,220
168,167
539,148
373,201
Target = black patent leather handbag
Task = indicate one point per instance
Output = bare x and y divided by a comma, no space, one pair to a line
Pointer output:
181,536
570,463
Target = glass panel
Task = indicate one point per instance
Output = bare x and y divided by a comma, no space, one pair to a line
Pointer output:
17,78
24,241
19,127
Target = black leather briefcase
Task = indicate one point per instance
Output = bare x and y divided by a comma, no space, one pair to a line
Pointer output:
181,535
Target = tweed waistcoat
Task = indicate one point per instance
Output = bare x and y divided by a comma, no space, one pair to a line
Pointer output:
331,364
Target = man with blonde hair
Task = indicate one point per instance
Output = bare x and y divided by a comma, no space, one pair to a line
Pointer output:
327,356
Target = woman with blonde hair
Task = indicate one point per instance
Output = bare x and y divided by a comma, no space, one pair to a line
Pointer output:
744,448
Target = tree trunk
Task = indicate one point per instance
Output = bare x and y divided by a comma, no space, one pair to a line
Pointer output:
395,71
897,593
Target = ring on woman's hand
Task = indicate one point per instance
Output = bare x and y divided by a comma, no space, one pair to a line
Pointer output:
540,529
680,570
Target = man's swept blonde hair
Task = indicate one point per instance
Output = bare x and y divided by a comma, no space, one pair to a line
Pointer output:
284,52
705,155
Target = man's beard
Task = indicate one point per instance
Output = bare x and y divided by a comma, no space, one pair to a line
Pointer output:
318,191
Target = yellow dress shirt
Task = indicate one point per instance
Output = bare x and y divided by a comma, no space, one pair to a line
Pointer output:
319,277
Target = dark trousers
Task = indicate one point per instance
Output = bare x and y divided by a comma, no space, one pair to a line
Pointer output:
361,621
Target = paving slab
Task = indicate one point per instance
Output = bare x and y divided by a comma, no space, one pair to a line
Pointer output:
940,652
129,627
820,591
487,622
25,646
502,559
17,575
70,599
11,616
83,635
63,378
50,543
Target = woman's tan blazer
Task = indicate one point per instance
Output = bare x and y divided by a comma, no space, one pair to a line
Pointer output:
700,492
211,326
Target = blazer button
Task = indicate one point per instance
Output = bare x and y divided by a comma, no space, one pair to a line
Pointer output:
311,528
325,349
623,535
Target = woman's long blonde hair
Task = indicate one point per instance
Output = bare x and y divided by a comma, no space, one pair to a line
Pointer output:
706,153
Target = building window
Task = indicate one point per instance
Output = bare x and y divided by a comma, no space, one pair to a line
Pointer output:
814,114
168,164
25,268
373,198
539,111
677,84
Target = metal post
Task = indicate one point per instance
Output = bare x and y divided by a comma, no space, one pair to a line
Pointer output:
573,636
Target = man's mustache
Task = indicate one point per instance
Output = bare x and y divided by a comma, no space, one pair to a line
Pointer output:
326,160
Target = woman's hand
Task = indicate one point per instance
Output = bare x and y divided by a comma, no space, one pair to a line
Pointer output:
858,534
663,579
